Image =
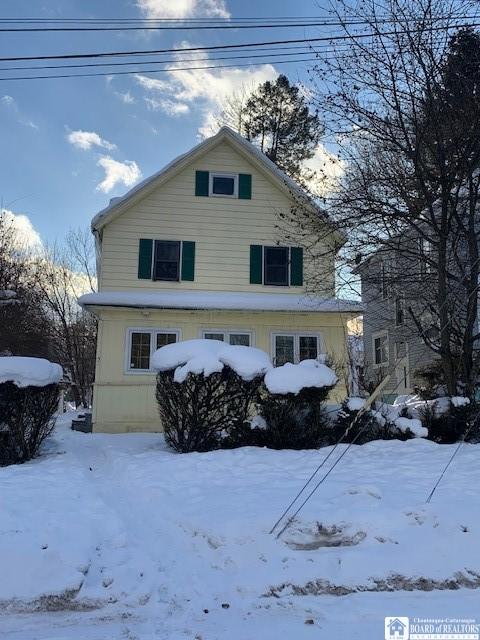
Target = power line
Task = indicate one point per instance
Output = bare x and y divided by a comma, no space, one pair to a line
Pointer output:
161,27
181,25
457,449
369,401
135,71
229,46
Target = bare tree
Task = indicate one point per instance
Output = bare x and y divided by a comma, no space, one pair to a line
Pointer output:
402,106
63,274
24,325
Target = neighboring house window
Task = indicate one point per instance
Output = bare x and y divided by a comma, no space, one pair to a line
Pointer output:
243,338
223,184
380,349
141,343
166,265
400,350
166,260
294,348
276,261
385,284
276,266
399,311
426,251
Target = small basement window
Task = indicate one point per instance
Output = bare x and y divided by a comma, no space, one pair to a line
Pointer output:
223,185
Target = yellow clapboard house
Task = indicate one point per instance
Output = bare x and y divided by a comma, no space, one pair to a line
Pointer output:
195,251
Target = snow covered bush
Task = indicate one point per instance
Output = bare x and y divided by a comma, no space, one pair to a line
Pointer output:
292,406
449,419
384,422
206,390
28,402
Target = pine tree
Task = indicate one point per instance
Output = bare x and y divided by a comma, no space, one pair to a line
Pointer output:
277,119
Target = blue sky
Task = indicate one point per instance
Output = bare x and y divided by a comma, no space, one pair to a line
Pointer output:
68,145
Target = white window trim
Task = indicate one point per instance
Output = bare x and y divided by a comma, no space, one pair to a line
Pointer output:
222,174
153,331
227,332
380,334
296,343
289,265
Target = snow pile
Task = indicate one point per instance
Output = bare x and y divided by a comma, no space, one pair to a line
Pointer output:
119,537
292,378
26,372
233,300
355,404
210,356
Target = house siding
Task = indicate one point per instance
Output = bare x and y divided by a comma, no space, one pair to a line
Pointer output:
223,229
378,316
126,401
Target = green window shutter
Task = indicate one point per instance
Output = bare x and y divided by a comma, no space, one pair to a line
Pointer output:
245,186
201,183
188,260
256,258
145,249
296,266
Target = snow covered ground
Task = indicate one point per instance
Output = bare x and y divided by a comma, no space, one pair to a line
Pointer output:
114,536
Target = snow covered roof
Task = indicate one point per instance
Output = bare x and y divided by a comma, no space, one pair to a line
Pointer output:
227,300
285,182
29,372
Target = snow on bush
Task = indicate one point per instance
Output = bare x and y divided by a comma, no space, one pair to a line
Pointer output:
26,372
207,389
292,378
411,424
204,357
355,404
390,414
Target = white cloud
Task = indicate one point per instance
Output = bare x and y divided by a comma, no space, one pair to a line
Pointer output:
88,139
26,236
126,173
183,8
126,97
205,89
328,168
9,103
170,107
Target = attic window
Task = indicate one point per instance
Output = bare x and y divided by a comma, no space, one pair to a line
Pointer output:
224,185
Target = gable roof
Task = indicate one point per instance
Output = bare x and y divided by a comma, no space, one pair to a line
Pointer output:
243,146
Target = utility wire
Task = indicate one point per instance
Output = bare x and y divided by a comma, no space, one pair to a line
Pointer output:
135,71
348,37
452,457
368,403
161,27
257,19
